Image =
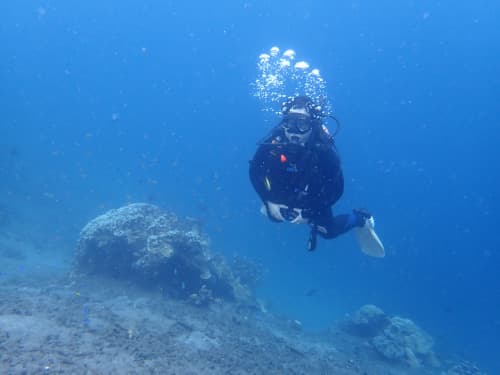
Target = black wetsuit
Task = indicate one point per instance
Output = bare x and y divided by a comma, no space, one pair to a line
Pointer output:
304,177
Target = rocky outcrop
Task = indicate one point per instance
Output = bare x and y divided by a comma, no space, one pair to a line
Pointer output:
403,341
464,368
368,321
144,243
394,338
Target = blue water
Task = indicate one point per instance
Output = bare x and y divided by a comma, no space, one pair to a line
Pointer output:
105,103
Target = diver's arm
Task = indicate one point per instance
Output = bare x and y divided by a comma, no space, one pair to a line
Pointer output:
257,173
262,184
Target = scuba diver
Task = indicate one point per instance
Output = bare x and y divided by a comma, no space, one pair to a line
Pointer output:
296,171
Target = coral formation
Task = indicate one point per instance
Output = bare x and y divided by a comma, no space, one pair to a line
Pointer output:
395,338
402,340
142,242
464,368
248,272
368,321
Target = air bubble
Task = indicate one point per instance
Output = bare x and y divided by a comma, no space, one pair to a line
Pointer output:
301,65
279,78
290,53
274,51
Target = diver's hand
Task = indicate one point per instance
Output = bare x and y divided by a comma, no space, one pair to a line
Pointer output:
293,215
274,210
299,219
281,212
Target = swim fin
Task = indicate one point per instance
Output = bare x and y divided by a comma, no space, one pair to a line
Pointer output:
368,240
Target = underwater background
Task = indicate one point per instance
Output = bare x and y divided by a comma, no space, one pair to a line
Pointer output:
105,103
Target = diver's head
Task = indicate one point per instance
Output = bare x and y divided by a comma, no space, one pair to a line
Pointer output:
301,105
300,117
298,128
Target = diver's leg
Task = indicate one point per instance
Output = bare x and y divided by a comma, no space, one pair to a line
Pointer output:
329,226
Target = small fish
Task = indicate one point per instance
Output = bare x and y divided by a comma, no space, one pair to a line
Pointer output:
311,292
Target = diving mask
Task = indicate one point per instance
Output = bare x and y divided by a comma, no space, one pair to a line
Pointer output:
297,124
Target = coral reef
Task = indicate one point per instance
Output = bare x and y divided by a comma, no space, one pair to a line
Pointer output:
396,339
464,368
249,273
402,340
368,321
100,325
140,241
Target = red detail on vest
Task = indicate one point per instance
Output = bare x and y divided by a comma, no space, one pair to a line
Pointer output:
283,158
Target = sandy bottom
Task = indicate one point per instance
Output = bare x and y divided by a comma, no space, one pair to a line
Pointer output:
73,325
53,322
